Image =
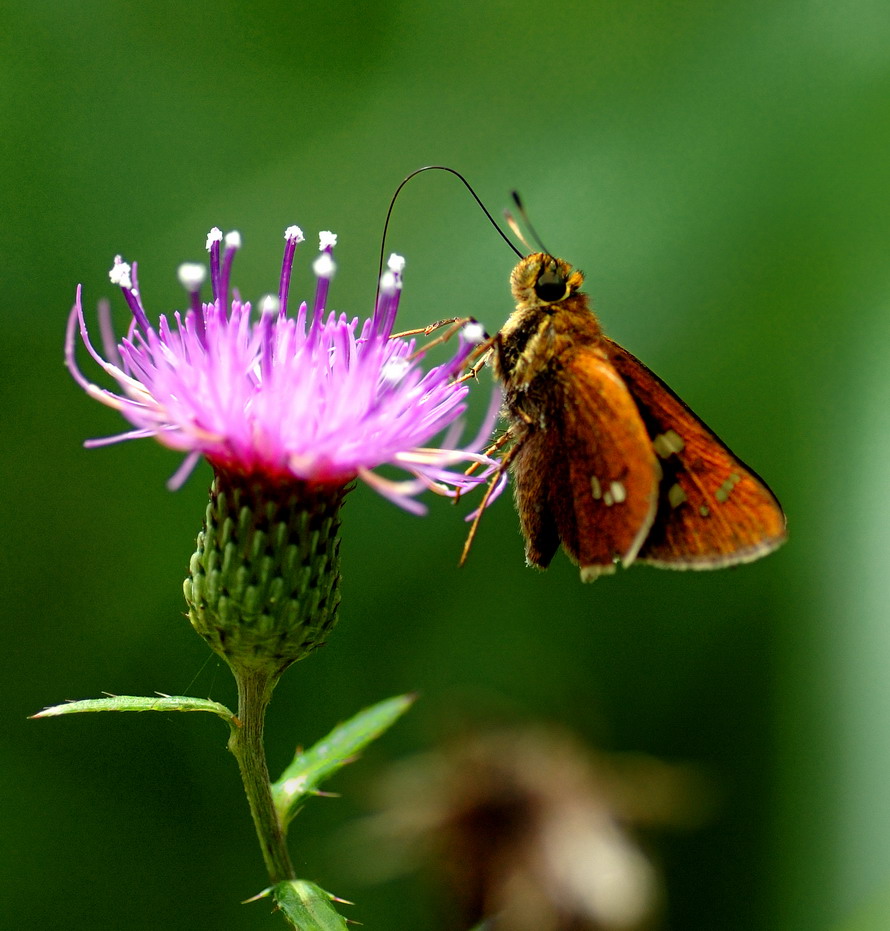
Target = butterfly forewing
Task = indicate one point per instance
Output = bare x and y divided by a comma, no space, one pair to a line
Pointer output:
590,477
713,510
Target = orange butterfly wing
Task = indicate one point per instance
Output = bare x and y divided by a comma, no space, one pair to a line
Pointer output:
713,510
586,476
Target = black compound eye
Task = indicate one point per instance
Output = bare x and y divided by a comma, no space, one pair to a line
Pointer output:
551,286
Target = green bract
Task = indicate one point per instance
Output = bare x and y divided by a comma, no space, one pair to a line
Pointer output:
264,583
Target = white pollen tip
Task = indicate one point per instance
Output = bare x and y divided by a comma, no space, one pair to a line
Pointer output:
396,263
388,284
119,273
215,235
474,332
233,240
324,266
269,305
326,240
191,276
394,369
294,234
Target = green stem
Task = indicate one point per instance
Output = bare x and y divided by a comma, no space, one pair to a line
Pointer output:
246,743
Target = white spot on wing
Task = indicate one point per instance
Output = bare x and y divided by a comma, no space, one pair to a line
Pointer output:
668,443
676,495
724,491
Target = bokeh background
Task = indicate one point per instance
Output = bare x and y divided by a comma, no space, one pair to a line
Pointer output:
720,172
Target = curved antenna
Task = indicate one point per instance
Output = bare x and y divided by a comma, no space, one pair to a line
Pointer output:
466,184
528,224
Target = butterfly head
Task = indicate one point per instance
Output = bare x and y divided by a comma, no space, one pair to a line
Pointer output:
541,279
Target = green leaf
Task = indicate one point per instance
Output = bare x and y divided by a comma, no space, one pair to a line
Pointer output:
310,768
140,703
308,907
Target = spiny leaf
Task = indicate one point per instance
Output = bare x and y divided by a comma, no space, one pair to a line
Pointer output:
307,906
139,703
311,767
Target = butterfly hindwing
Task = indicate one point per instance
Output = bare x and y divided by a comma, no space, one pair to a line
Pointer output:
713,510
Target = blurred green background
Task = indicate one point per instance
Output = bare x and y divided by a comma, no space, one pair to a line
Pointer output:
720,172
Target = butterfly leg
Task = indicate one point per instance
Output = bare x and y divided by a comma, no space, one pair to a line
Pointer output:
503,465
430,327
481,354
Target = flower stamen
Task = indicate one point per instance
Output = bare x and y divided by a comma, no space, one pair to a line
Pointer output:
284,398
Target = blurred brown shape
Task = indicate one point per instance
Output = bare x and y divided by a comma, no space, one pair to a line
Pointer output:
530,830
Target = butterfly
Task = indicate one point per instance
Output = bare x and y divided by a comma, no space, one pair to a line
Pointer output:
606,460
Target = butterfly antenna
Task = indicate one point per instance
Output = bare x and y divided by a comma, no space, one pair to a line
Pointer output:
466,184
516,231
520,207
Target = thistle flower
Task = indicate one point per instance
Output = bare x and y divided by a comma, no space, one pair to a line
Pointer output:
315,397
289,410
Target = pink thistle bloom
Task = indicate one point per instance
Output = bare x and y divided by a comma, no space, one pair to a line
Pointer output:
314,397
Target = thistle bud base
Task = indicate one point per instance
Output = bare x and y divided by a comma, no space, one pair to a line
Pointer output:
264,582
